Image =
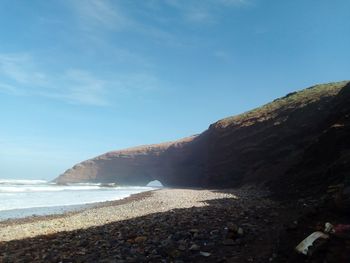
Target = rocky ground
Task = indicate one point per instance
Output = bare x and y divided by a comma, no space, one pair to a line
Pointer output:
177,225
169,225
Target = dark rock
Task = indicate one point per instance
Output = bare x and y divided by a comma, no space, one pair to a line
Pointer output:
228,242
194,247
140,239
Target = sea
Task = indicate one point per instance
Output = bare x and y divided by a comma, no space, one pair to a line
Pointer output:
24,198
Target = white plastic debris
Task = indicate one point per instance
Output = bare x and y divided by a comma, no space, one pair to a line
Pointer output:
328,228
304,245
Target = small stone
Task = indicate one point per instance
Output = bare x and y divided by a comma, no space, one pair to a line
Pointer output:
228,242
175,253
274,214
182,247
230,235
130,260
130,241
205,254
240,231
158,257
214,232
232,227
140,239
210,244
194,247
166,243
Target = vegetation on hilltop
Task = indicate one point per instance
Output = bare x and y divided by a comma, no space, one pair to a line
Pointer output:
292,100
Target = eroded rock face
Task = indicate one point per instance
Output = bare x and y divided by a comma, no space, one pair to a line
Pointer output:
264,145
172,163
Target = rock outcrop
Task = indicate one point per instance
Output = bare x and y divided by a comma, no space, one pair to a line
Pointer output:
166,162
302,138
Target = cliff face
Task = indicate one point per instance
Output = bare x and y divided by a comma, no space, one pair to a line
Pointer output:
173,163
298,136
263,145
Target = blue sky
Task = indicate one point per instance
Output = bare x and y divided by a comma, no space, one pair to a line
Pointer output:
82,77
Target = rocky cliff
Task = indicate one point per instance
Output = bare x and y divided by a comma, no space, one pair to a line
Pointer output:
172,163
302,138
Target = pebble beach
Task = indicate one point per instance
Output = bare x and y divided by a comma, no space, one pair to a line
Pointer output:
166,225
107,212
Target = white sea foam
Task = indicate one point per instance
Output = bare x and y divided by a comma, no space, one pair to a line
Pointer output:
21,182
44,188
20,198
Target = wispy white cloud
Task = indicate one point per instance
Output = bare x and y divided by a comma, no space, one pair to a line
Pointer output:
223,55
147,19
77,87
19,67
198,15
141,81
97,16
204,11
11,90
95,13
233,2
22,76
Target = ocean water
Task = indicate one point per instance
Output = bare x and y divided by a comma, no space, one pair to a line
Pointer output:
22,198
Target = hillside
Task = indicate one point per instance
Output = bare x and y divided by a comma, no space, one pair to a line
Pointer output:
302,136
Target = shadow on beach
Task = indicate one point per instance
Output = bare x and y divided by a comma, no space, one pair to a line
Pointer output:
224,230
244,228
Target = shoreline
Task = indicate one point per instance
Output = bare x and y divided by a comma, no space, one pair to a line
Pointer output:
192,225
78,209
135,206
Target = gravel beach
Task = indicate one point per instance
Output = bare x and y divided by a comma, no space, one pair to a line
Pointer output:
107,212
167,225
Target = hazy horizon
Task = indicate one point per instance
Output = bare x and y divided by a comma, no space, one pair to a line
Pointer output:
80,78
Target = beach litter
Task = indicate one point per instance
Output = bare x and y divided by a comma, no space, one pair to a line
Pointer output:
318,240
304,246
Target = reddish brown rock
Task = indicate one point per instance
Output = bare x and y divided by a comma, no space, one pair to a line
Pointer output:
301,137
